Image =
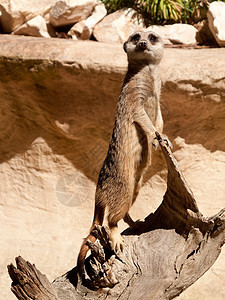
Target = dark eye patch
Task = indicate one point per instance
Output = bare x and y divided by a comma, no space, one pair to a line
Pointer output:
135,38
153,38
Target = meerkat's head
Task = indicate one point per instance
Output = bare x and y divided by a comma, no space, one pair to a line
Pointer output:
144,47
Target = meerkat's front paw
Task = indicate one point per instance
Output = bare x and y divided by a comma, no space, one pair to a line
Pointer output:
168,142
165,138
116,241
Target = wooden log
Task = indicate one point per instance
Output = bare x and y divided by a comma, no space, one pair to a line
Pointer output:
29,283
163,256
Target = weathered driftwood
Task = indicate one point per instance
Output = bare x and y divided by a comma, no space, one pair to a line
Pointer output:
166,253
29,283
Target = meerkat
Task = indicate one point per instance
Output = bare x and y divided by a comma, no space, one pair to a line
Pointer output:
138,117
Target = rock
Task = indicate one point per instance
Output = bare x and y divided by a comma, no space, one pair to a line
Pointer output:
117,27
15,13
34,27
216,19
204,35
84,29
162,31
67,12
76,31
58,101
181,34
51,30
176,33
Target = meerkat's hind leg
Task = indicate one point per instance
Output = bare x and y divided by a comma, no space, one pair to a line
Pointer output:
116,240
165,138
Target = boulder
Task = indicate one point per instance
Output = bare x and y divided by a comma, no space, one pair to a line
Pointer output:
117,27
181,34
34,27
67,12
51,30
58,101
216,19
176,33
162,31
84,29
204,35
15,13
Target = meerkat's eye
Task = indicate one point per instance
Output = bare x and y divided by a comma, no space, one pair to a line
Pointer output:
153,38
135,38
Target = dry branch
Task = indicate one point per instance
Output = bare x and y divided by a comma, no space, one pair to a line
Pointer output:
29,283
167,253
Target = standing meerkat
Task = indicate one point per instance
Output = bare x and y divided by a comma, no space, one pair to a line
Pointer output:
138,117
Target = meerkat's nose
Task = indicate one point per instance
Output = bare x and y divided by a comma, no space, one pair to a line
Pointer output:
143,44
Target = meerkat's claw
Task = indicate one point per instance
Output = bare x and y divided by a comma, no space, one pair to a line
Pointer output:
168,142
116,241
117,244
155,142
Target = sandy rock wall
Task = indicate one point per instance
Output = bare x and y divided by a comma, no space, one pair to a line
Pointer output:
58,100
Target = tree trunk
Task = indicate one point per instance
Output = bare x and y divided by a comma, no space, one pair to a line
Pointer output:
163,256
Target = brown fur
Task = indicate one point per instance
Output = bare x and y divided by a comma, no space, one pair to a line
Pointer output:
138,116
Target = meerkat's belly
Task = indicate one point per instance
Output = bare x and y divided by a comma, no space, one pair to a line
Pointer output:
127,157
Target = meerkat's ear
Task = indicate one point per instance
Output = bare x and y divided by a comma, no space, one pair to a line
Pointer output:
125,47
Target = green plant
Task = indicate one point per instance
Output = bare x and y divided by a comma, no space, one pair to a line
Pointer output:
162,11
165,9
152,11
192,10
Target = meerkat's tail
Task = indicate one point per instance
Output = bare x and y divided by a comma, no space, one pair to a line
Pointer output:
98,220
82,255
